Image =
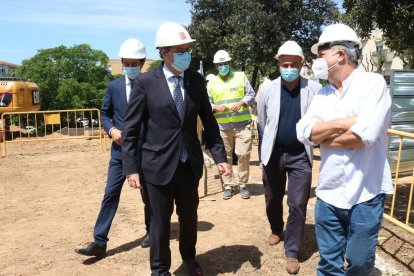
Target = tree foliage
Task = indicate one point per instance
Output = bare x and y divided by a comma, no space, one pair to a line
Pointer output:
154,64
395,18
68,77
253,30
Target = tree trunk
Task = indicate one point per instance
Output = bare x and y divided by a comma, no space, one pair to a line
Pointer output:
254,76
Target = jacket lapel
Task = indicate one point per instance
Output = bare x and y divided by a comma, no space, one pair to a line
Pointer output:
165,92
122,90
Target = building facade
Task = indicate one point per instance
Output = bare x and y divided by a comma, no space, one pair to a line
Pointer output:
6,68
376,57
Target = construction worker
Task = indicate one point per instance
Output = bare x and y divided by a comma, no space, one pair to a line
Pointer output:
282,102
168,100
349,119
133,54
230,95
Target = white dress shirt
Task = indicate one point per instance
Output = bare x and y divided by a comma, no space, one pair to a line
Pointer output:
128,88
351,176
169,76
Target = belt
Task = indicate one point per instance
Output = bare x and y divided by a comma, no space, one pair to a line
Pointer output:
281,149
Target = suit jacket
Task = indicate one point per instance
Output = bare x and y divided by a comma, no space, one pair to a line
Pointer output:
151,103
113,111
268,110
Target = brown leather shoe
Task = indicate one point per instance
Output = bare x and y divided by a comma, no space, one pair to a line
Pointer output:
292,265
274,239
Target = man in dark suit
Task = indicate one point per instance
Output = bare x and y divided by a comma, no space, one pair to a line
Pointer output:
167,101
113,110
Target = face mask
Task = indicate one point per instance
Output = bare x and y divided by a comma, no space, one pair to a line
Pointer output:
181,61
224,70
320,67
290,74
132,72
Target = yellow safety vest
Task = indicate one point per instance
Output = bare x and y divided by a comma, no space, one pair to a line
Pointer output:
228,93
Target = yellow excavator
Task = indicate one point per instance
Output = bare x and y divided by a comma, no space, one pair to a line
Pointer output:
17,95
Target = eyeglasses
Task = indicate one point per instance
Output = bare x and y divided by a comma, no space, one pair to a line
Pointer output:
180,51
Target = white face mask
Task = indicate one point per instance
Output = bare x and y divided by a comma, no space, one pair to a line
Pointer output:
320,67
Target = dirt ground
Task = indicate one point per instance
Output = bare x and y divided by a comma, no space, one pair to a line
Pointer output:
51,194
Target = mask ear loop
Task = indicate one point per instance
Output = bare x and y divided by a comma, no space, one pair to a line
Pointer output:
326,60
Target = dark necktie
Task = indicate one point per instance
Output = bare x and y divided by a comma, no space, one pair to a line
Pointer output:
179,104
131,84
178,98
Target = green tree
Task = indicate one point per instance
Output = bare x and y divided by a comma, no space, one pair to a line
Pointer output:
253,30
68,77
395,19
154,64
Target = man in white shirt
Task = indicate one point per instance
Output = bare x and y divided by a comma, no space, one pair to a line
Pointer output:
349,120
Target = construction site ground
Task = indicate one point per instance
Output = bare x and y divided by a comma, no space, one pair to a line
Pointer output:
51,193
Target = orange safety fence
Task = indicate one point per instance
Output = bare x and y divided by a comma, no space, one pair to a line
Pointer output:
17,127
401,164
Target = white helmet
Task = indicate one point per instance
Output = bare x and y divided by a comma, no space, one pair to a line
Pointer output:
221,56
132,48
290,48
171,34
340,34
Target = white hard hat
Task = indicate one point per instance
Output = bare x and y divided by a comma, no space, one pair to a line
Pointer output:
171,34
290,48
221,56
338,34
132,48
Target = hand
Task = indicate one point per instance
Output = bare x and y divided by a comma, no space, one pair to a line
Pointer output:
103,133
133,181
236,107
224,168
220,108
116,136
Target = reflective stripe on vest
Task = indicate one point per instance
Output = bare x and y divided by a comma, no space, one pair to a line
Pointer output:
227,93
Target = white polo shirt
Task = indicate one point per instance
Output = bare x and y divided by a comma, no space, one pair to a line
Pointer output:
351,176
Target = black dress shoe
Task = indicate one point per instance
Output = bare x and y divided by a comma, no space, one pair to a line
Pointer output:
194,268
93,249
146,241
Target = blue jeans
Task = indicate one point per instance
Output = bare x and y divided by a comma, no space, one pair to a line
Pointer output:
350,234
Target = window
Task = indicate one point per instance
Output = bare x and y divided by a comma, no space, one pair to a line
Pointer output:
380,46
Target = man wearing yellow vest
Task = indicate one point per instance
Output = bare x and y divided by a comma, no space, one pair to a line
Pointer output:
230,96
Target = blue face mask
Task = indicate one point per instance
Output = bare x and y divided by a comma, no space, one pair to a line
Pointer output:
290,74
132,72
224,70
181,61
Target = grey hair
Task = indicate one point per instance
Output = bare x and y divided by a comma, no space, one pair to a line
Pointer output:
351,54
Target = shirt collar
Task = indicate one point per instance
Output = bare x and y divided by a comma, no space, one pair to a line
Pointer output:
168,73
127,81
348,80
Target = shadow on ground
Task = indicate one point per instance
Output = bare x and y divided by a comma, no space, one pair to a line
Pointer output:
221,260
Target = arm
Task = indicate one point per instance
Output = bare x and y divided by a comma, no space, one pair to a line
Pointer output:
347,140
248,98
131,135
212,134
325,130
107,111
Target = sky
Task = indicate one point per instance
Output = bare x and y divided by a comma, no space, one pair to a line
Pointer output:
29,25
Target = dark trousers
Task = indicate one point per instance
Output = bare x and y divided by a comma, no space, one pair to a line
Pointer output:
296,168
114,183
183,188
